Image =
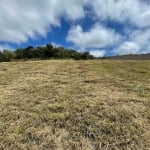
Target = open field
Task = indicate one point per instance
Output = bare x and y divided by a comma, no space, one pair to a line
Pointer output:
75,105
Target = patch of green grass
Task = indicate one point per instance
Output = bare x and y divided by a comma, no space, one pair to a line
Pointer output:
66,104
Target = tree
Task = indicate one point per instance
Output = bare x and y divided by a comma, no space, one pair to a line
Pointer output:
19,54
45,52
49,46
7,55
86,55
1,57
28,52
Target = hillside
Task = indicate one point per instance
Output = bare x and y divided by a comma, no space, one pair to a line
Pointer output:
132,57
74,105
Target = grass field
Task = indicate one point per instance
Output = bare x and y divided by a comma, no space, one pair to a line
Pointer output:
75,105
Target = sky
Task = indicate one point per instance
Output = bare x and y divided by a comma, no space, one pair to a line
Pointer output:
102,27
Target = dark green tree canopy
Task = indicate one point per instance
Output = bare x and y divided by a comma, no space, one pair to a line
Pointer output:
46,52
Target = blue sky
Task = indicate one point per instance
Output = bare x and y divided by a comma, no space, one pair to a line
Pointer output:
102,27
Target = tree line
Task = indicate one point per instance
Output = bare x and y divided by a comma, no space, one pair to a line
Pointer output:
46,52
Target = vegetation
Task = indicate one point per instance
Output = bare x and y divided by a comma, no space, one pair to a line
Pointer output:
43,53
50,52
89,105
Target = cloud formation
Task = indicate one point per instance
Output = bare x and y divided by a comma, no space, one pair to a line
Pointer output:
134,15
96,37
136,12
21,20
98,53
128,48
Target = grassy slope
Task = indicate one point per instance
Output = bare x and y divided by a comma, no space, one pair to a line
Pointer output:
75,105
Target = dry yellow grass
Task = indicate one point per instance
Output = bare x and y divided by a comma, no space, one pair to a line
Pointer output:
75,105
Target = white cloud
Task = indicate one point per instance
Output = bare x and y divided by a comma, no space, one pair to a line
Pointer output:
137,12
21,19
98,53
96,37
141,36
128,48
138,42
